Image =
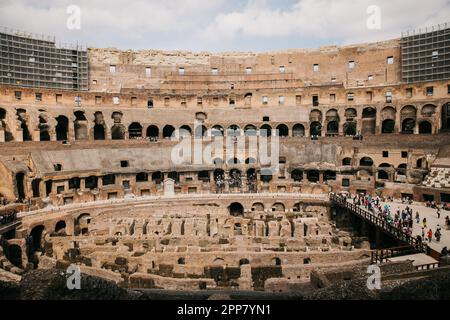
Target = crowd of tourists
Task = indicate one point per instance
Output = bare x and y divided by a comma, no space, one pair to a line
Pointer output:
234,180
402,219
7,218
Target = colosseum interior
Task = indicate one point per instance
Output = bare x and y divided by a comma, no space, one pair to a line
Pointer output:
88,177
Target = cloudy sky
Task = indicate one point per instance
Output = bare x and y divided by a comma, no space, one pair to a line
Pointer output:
222,25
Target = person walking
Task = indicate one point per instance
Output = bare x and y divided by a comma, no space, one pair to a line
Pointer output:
424,221
437,234
438,212
417,217
430,235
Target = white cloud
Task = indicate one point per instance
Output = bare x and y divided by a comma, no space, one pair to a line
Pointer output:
220,24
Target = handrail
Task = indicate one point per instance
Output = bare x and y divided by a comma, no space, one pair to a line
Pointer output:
380,223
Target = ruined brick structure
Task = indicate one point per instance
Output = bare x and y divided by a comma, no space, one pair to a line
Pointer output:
94,166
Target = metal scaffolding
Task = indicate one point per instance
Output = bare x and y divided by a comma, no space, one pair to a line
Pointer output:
425,54
29,60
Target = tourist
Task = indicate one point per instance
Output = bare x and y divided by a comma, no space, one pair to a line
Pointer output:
437,235
430,235
424,221
423,233
444,251
417,217
438,212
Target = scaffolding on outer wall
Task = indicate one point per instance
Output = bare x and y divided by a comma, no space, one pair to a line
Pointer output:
30,60
426,54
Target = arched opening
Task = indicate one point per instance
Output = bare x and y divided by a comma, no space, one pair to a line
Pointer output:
347,161
44,128
157,177
349,128
217,131
425,127
142,177
248,99
168,132
446,117
181,260
235,180
315,129
297,175
251,180
233,131
201,131
4,125
22,117
60,227
278,206
383,175
329,175
62,128
99,132
249,130
332,128
118,132
20,179
203,176
298,130
233,161
388,126
175,176
282,130
276,261
185,131
419,163
14,255
218,161
408,119
265,130
366,162
401,169
258,206
153,132
243,261
313,175
36,238
408,126
91,182
135,130
74,183
35,186
369,120
80,126
266,175
250,161
236,209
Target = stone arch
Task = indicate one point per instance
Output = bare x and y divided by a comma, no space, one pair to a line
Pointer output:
62,128
258,206
250,130
445,117
388,126
250,160
369,115
313,175
408,125
349,128
236,209
298,130
14,255
408,115
266,175
4,125
329,175
350,114
278,206
135,130
332,119
315,129
36,238
425,127
333,128
20,185
44,128
157,177
60,226
366,162
382,175
297,175
80,125
234,131
185,131
265,130
347,161
99,126
152,132
282,130
168,131
428,110
276,261
200,131
243,261
217,131
118,132
23,118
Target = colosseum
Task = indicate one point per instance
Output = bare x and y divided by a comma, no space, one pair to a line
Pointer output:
151,169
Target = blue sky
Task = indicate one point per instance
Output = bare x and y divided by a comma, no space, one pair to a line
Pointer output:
221,25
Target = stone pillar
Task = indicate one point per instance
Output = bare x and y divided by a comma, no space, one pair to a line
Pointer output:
2,135
82,184
321,177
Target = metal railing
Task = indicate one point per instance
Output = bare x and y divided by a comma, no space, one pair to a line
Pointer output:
380,223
